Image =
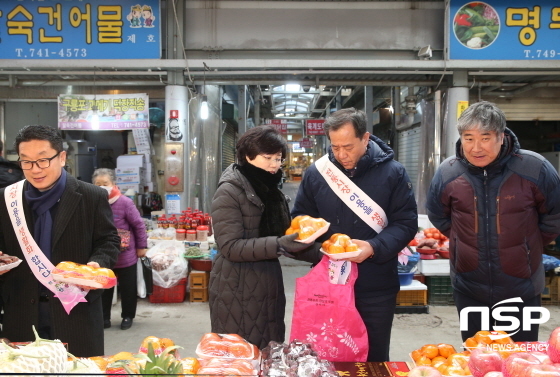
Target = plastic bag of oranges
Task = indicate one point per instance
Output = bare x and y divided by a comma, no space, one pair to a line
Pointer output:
504,345
84,275
443,357
308,228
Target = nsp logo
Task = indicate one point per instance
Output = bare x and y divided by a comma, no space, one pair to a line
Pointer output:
498,314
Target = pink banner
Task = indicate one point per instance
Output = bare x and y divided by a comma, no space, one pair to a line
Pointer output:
314,126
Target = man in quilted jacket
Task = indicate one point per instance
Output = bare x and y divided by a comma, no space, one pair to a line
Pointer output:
500,206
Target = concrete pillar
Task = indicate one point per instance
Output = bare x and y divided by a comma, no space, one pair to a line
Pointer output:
450,135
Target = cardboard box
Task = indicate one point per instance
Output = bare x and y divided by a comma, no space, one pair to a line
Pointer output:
372,369
131,175
123,187
131,160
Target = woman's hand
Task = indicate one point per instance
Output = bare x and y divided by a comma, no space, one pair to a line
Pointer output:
141,253
93,264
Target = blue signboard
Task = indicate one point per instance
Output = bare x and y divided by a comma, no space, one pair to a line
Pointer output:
504,30
80,29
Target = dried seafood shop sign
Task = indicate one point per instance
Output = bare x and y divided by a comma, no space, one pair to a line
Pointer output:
504,30
103,112
80,29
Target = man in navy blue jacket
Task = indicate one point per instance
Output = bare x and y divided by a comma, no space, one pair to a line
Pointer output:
368,162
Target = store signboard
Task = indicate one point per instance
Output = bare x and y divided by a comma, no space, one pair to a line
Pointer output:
314,126
306,143
80,29
280,124
115,112
504,30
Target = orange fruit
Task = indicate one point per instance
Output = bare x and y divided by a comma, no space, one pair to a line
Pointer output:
335,249
446,350
442,368
104,272
455,370
438,360
335,236
458,359
471,343
483,337
416,354
430,350
424,360
351,247
289,231
343,240
296,220
326,246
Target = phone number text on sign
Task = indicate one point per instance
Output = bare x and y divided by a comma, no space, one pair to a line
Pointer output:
53,53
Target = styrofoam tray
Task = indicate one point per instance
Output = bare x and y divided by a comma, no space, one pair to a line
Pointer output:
315,235
339,256
6,267
84,282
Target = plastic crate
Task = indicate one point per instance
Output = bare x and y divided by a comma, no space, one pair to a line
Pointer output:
551,296
169,295
198,279
440,291
411,298
198,294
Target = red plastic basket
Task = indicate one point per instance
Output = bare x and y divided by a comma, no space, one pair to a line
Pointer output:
169,295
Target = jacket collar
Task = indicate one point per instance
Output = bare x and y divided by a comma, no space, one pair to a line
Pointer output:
376,153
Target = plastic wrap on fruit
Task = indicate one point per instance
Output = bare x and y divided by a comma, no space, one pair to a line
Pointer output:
81,274
305,226
217,366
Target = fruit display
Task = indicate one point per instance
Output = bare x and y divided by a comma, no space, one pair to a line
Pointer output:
307,227
40,356
158,344
221,367
553,348
294,359
442,357
84,275
339,243
504,346
227,346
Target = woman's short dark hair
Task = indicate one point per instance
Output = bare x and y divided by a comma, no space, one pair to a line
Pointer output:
39,132
341,117
260,140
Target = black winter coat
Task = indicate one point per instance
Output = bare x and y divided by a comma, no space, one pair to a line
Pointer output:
498,219
10,172
386,182
246,290
83,232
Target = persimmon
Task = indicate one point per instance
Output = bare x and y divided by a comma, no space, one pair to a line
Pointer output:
430,350
446,350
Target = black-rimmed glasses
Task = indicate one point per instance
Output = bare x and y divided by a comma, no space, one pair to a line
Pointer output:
42,163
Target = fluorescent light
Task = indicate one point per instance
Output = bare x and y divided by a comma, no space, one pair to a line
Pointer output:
94,119
204,108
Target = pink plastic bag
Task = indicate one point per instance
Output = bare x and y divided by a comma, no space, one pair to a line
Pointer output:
325,315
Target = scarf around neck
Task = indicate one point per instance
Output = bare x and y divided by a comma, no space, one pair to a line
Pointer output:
275,218
41,203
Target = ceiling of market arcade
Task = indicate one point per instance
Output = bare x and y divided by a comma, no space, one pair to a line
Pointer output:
291,89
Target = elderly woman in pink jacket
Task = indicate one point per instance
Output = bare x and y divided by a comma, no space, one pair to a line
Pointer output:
127,217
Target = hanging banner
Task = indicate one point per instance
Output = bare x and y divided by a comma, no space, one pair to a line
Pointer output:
115,111
80,29
314,127
280,124
504,30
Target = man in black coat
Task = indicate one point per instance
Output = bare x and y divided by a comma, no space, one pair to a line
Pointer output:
69,220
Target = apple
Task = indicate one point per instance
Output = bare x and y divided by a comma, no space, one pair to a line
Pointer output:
484,360
554,345
542,370
424,371
494,374
515,365
543,357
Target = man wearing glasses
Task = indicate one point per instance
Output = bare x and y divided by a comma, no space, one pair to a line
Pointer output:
69,220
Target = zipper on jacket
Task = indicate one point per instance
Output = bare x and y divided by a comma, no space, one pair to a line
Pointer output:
487,234
498,215
475,214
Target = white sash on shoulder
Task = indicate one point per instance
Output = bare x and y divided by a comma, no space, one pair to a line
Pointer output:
68,294
357,200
